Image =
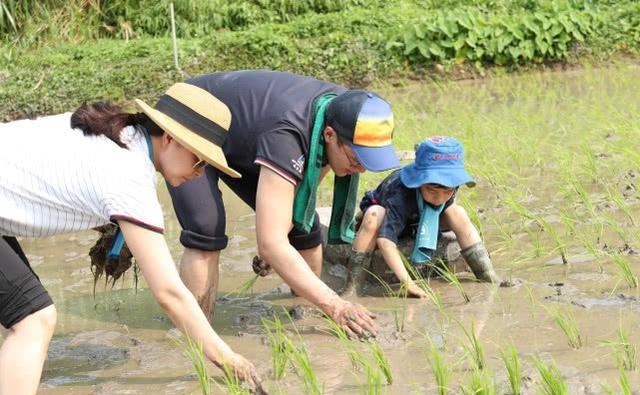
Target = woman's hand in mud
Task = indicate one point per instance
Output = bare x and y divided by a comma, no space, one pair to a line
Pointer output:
355,319
244,370
261,267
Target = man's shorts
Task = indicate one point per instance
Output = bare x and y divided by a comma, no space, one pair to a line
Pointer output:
21,293
200,210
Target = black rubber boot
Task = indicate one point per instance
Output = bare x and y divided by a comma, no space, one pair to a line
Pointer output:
356,263
477,257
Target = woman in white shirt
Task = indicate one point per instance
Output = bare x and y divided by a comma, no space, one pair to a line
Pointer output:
95,167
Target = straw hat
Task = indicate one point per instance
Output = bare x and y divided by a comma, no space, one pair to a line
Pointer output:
196,119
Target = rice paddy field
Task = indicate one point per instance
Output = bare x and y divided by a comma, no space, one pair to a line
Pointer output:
556,159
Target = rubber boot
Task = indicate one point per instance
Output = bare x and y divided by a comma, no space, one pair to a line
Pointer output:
357,262
480,264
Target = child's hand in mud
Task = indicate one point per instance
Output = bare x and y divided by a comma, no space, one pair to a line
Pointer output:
355,319
414,291
244,370
261,267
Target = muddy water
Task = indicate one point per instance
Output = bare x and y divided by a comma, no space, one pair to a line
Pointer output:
121,343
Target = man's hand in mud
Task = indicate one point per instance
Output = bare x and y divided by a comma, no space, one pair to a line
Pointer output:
355,319
261,267
241,368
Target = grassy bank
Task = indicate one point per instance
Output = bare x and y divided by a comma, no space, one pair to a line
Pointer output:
56,56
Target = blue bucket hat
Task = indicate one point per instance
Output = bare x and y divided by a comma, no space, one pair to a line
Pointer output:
439,160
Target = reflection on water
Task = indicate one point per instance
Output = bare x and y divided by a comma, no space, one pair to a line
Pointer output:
120,342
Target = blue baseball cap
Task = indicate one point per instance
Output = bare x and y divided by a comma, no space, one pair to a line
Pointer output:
366,120
439,160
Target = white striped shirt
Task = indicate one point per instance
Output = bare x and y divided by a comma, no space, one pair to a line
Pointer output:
53,179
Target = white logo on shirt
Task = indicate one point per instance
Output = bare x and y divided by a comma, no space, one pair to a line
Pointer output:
298,164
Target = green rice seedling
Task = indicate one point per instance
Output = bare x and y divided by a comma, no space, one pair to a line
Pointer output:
615,196
512,365
626,273
625,388
576,187
440,368
534,236
480,384
374,379
612,224
382,362
443,271
195,353
532,301
303,368
567,323
399,313
474,348
232,383
423,283
355,356
561,246
280,346
552,382
625,351
247,285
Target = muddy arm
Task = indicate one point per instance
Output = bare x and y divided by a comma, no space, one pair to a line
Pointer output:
274,207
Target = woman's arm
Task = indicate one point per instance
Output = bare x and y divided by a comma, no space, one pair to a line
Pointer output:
274,207
157,266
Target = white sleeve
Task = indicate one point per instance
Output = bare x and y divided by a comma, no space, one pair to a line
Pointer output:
132,197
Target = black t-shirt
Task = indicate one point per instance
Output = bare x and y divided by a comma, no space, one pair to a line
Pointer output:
270,119
400,205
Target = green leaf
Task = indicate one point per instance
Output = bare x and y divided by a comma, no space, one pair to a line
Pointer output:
436,50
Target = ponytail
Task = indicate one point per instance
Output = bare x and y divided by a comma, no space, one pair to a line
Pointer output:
107,119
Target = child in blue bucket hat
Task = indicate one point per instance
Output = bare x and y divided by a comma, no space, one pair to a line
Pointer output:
421,193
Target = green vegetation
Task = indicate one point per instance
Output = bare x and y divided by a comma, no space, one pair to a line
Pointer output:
566,322
552,382
57,54
440,367
514,372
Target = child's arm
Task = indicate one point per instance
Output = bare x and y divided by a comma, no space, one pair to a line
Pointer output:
393,259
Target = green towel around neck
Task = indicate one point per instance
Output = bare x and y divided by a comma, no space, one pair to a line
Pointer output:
345,189
428,229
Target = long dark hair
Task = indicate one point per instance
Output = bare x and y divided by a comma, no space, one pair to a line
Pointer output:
107,119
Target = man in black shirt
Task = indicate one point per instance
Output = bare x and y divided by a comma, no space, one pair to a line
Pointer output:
269,144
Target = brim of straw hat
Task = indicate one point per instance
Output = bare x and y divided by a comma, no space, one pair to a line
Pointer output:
200,146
